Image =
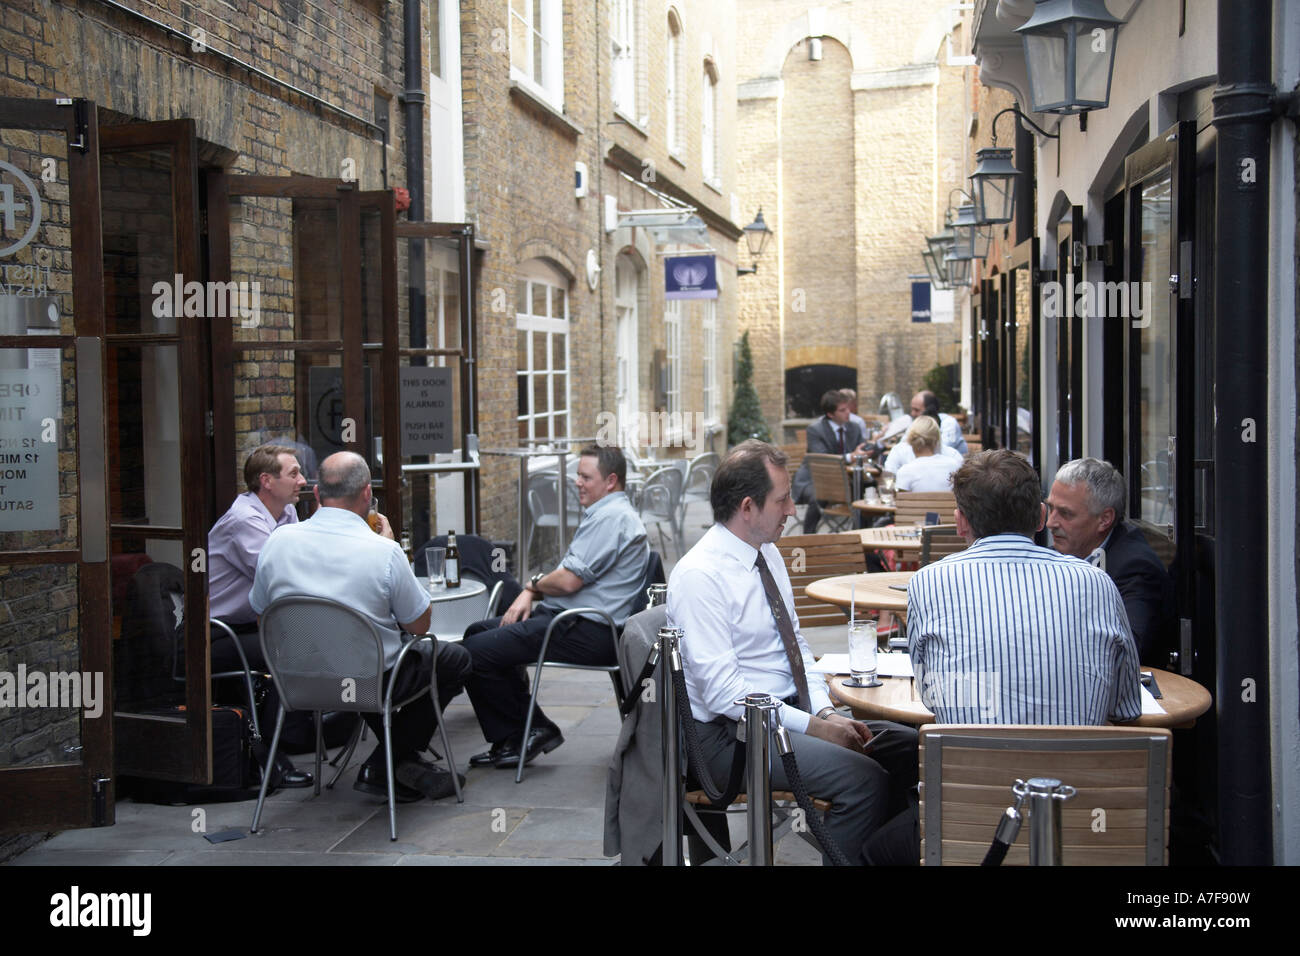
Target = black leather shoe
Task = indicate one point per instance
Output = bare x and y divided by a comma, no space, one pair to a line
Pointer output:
296,779
505,749
373,780
541,741
426,778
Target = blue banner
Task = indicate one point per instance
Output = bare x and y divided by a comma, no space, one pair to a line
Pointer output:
690,277
920,302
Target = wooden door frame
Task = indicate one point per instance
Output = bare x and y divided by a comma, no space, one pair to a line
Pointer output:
64,796
149,745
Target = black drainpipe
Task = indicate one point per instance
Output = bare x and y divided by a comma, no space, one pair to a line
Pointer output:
1243,118
413,99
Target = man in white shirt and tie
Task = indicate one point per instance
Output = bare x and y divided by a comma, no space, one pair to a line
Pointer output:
731,595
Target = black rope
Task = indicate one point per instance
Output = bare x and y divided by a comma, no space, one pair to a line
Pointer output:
633,695
719,799
815,822
996,854
722,799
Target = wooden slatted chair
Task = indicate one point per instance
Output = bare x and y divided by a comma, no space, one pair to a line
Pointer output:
912,506
967,771
793,457
938,541
831,488
809,557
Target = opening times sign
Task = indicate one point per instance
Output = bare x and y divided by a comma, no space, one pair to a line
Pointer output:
29,449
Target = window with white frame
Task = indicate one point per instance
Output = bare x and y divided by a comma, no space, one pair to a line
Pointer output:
537,47
673,345
542,350
709,361
622,55
709,125
674,82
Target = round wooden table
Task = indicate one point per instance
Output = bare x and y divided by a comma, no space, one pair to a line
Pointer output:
896,699
871,592
876,507
892,539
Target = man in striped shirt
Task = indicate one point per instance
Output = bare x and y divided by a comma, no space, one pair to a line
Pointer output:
1007,632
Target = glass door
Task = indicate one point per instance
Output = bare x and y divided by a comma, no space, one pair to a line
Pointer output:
1071,252
1020,350
56,698
294,371
157,311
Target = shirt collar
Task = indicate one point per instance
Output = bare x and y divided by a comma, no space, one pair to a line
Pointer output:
732,546
338,517
255,500
601,502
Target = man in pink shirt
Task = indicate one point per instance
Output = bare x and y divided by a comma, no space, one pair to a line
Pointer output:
274,481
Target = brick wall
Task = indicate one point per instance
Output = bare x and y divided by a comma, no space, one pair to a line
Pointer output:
335,56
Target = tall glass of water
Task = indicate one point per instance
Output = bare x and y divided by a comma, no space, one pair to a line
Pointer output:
862,654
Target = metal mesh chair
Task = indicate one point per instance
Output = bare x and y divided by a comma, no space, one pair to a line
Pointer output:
325,656
654,574
661,499
696,484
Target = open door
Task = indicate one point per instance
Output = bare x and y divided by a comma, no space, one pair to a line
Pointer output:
316,367
56,728
157,315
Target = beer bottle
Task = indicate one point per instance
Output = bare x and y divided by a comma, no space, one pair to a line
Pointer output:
406,548
453,561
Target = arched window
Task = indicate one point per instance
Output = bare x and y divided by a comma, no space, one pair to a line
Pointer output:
673,84
709,124
542,337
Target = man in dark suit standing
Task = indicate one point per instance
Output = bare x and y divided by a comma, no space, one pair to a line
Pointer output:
1087,520
832,434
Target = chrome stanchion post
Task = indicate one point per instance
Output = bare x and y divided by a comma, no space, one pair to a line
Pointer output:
1045,798
759,709
671,664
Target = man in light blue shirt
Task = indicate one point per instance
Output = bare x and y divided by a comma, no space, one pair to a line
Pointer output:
605,567
335,555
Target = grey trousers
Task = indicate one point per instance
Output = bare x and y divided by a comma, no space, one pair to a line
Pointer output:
864,790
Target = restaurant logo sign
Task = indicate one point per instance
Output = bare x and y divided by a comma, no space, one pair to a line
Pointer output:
691,277
19,202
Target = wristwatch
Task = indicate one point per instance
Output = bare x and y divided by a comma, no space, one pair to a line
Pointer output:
532,582
825,712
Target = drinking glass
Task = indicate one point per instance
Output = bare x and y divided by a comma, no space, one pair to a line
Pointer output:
372,519
862,654
435,568
656,594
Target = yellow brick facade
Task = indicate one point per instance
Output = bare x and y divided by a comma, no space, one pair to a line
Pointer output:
852,146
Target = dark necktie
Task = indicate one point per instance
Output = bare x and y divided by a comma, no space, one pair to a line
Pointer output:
839,430
786,628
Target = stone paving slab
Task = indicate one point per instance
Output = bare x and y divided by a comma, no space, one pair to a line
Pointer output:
555,817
